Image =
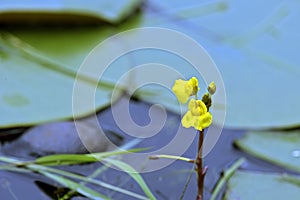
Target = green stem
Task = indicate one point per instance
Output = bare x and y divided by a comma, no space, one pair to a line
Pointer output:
224,177
154,157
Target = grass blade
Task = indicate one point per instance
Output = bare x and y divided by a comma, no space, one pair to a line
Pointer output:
71,159
15,166
226,175
92,194
40,169
133,173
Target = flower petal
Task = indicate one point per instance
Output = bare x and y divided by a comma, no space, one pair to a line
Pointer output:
203,121
198,122
193,84
188,120
179,90
184,89
197,107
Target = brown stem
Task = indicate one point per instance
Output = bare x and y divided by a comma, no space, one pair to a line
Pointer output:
199,167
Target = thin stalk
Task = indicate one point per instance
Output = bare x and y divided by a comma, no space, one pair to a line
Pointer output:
199,167
155,157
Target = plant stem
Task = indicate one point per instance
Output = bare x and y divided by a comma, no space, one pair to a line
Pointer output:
227,173
155,157
199,167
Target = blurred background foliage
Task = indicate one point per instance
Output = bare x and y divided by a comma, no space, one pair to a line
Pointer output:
254,45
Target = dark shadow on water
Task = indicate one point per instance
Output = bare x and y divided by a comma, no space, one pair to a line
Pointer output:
166,183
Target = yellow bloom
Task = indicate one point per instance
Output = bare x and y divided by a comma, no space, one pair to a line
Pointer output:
184,89
196,116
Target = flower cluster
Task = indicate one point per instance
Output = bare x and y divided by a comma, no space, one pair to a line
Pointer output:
197,115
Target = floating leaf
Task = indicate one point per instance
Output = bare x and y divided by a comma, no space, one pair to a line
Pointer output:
281,148
251,185
41,64
38,68
255,55
67,11
36,89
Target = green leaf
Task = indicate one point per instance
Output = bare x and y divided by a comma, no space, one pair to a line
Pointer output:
35,87
71,159
38,70
255,55
92,194
281,148
133,173
67,11
65,159
259,66
254,185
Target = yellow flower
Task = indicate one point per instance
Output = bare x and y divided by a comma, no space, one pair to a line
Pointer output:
184,89
196,116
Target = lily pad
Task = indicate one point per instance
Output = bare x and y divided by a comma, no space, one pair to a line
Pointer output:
254,185
35,89
281,148
67,11
39,68
255,55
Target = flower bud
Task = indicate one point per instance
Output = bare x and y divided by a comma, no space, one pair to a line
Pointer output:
211,88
